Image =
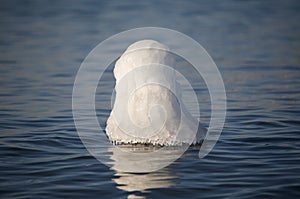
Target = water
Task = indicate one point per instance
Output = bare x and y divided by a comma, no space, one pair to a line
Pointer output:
256,47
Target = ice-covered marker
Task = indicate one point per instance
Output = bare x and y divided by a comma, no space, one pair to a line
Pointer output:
148,108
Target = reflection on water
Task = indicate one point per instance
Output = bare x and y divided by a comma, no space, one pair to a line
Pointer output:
139,183
142,183
143,158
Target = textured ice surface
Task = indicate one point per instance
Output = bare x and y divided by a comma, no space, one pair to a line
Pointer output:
148,106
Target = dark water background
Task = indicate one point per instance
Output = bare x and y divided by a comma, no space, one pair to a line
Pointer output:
256,46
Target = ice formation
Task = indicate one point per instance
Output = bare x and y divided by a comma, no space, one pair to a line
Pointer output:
148,106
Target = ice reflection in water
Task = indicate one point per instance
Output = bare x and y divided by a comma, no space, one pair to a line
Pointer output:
140,182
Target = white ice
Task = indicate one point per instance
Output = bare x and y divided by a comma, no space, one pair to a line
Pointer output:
148,106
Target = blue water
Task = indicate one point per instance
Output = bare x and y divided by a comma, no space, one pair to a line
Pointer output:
256,46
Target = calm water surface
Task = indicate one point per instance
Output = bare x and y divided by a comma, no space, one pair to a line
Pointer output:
256,47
